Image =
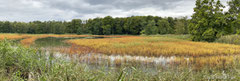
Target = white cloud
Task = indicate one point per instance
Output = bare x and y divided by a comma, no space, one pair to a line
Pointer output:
30,10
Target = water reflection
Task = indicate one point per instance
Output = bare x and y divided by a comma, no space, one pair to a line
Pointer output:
115,60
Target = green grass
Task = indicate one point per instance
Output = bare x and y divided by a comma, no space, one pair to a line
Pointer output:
184,36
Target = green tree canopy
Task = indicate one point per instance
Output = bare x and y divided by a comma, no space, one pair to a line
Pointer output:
208,21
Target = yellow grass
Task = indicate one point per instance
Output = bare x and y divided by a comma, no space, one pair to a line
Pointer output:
29,39
136,45
198,54
32,38
13,36
156,46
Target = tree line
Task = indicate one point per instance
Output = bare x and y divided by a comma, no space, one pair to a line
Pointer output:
108,25
207,23
38,27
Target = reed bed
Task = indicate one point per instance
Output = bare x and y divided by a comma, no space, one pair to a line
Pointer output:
29,41
198,54
211,62
155,46
27,64
13,36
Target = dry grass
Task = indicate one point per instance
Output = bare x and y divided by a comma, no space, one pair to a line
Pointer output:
29,39
32,38
156,46
136,45
13,36
199,54
194,54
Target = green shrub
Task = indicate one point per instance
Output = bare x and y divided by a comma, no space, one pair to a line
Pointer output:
20,63
229,39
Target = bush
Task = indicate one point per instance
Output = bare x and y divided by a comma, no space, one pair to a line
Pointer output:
229,39
20,63
17,59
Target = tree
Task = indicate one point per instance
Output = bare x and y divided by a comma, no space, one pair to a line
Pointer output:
19,27
6,27
208,22
119,25
181,26
74,26
94,26
133,25
126,25
171,22
59,28
234,9
107,25
164,27
106,29
37,27
233,15
151,28
236,24
81,30
1,27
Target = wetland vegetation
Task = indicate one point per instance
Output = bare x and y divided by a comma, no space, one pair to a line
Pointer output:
205,46
84,60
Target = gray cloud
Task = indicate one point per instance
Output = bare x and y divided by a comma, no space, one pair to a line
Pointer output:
29,10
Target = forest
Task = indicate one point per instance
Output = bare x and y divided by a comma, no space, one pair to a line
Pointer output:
108,25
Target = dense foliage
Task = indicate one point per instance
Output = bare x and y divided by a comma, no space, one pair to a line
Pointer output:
134,25
209,22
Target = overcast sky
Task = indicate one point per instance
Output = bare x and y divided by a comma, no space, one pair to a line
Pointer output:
44,10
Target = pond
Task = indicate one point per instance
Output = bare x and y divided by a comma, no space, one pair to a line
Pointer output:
58,45
57,41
